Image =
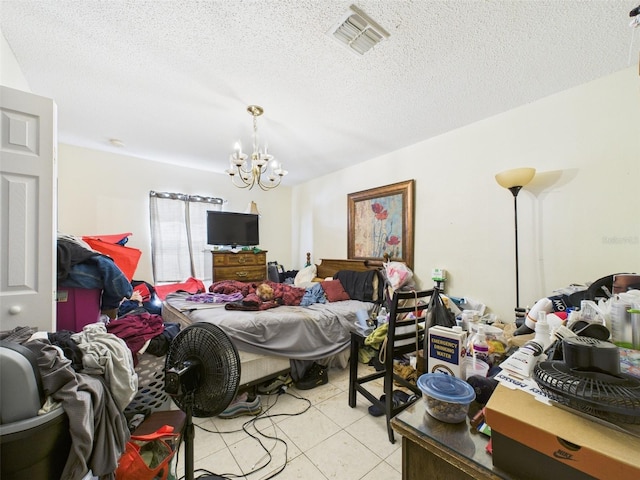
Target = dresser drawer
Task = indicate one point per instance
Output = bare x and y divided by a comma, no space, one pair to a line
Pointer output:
242,274
241,266
239,259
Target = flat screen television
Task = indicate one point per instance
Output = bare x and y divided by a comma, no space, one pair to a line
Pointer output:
234,229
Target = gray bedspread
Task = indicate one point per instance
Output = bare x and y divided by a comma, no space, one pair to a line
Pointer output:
300,333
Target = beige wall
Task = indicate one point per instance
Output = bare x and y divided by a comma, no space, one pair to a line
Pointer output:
578,219
102,193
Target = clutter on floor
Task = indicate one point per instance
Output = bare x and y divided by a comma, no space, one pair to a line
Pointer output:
242,405
399,398
315,376
278,384
575,355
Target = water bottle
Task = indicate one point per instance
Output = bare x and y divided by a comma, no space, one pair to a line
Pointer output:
480,346
543,334
635,326
382,316
620,321
468,318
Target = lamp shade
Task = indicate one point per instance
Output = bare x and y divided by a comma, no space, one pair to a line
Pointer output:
252,208
516,177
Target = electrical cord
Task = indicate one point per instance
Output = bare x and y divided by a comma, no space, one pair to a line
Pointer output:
260,432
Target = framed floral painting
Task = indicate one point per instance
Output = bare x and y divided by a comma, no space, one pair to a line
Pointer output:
381,222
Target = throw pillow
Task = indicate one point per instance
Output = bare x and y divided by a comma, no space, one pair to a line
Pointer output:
334,291
305,276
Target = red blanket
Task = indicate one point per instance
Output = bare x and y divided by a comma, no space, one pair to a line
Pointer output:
283,293
190,285
251,303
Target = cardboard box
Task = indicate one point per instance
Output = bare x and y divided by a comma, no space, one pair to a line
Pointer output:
77,307
534,440
528,464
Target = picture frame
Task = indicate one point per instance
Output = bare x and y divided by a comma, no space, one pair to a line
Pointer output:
380,221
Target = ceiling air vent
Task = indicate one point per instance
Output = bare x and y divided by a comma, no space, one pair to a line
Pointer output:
357,31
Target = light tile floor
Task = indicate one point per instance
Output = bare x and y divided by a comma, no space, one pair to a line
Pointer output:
311,435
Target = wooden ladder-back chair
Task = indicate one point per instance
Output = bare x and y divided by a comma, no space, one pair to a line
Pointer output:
403,337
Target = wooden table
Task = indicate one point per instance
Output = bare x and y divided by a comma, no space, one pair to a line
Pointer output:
436,450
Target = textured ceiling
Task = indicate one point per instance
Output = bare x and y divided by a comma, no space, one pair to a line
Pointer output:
172,79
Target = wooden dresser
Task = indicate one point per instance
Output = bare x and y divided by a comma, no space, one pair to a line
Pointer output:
241,266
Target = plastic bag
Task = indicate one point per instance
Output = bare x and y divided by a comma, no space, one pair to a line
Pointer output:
126,258
398,274
438,313
147,457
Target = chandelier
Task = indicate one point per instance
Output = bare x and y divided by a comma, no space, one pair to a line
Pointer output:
258,169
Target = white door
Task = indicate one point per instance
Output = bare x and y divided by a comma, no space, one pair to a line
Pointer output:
27,210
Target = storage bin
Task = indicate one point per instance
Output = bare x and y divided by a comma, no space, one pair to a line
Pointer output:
151,396
77,307
32,445
446,397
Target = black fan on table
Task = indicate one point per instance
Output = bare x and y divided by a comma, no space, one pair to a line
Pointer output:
202,375
589,380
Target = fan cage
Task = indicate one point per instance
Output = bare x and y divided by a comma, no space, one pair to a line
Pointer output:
617,403
219,363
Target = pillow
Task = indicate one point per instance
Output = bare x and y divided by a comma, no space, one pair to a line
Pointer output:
305,276
334,291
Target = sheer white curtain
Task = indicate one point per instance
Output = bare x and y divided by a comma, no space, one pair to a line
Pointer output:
179,236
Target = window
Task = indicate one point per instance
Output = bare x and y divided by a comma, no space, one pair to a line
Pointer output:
179,236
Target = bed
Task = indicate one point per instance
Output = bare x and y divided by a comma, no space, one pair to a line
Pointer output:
273,341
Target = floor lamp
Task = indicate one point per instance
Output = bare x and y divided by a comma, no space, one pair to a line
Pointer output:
513,180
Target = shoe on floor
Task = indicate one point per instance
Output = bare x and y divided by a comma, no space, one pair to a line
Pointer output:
241,405
399,398
273,386
376,411
315,376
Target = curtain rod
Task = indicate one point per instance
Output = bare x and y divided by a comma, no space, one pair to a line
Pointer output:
187,198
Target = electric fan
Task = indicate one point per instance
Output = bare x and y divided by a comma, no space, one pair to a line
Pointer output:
202,374
589,380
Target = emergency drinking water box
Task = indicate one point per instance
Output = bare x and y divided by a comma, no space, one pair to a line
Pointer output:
446,351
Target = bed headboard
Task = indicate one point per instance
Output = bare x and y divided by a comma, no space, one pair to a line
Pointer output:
329,267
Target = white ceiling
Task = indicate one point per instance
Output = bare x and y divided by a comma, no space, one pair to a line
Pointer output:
172,79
